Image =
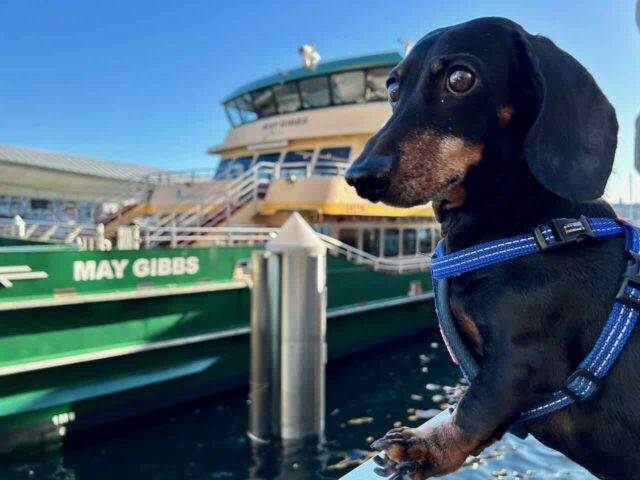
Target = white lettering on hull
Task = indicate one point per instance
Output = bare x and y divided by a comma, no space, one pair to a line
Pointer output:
91,270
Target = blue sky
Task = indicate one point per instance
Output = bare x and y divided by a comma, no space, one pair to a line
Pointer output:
141,81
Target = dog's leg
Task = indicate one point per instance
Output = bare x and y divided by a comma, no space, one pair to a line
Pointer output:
495,399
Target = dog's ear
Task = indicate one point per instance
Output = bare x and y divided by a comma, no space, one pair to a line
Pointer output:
571,144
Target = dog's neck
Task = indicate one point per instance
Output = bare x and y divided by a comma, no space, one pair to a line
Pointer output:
503,202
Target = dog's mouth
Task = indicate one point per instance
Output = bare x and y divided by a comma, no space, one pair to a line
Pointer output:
411,192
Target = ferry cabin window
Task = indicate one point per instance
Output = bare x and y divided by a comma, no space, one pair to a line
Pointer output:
268,160
264,102
348,87
371,241
287,97
391,242
330,160
223,169
376,89
409,242
349,236
296,162
314,92
424,240
233,113
323,229
241,165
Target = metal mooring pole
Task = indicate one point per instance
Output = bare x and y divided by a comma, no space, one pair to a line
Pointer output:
288,330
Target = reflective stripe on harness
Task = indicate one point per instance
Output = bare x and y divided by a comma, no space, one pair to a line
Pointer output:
585,382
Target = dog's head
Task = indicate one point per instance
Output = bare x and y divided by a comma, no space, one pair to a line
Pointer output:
467,93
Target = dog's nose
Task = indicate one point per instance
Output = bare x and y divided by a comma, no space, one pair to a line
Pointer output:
370,176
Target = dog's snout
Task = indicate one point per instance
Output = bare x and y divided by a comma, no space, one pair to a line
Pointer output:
371,176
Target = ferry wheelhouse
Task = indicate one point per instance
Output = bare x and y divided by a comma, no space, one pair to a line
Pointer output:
149,306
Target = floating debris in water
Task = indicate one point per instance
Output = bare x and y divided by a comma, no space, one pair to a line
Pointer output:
427,414
352,458
416,397
424,359
432,387
425,369
369,440
411,411
335,412
397,424
438,398
360,421
434,345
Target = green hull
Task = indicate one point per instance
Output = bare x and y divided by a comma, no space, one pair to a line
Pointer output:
107,349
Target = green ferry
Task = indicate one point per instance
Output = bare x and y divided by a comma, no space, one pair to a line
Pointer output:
148,306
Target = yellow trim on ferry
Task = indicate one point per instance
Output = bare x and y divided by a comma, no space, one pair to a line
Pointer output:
370,209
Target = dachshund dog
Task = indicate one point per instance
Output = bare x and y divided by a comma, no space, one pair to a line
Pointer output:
503,131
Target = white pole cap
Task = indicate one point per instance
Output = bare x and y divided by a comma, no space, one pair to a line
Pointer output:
296,236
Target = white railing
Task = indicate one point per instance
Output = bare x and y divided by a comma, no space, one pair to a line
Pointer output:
215,206
86,236
176,236
206,236
193,175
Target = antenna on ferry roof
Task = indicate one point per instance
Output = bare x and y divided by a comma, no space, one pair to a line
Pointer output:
407,45
310,55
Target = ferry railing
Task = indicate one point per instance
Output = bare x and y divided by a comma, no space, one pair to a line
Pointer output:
176,236
213,236
218,204
193,175
85,236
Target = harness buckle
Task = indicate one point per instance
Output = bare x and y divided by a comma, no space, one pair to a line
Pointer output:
565,230
582,373
631,278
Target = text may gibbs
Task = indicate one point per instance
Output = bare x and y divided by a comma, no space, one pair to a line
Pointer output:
89,270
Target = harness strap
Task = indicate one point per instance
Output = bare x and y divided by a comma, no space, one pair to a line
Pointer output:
585,382
548,236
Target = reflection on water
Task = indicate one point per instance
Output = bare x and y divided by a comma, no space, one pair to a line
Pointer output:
366,395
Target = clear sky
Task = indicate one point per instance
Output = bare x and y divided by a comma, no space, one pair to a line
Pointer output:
141,81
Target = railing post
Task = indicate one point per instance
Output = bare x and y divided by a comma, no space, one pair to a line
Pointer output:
99,237
172,233
20,227
288,335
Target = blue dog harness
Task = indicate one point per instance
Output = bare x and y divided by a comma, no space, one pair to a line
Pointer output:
585,382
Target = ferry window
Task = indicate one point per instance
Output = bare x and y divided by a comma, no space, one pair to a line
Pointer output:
371,241
268,157
296,162
233,113
409,242
245,107
348,236
424,240
287,97
348,87
391,242
298,156
264,102
323,229
330,159
241,165
223,169
315,92
377,84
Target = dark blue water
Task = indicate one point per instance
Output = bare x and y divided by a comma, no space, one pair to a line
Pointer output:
366,396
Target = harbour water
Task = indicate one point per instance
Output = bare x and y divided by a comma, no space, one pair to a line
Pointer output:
366,395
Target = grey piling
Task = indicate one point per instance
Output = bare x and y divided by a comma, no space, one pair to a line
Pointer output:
288,321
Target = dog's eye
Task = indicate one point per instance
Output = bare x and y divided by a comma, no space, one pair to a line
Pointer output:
393,93
460,81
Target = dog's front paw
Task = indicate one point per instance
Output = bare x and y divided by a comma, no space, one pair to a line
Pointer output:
421,454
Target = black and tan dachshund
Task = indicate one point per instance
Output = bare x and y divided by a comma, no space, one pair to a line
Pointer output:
504,131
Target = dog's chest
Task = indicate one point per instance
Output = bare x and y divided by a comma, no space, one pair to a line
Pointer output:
468,329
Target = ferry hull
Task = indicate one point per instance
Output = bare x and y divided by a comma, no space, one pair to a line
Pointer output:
137,356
